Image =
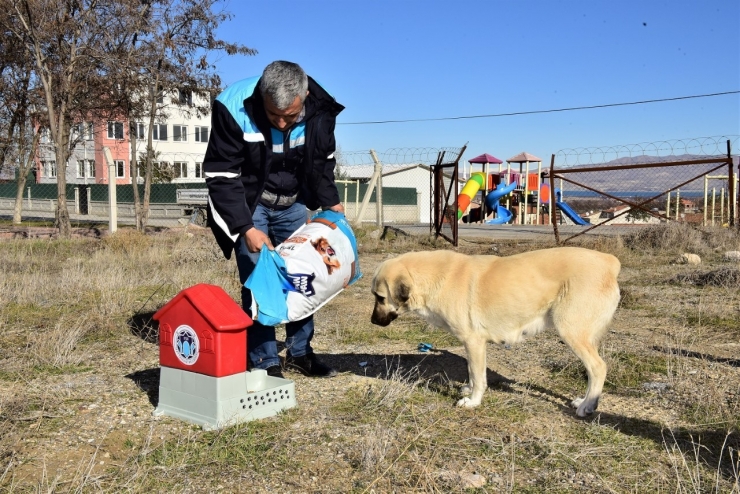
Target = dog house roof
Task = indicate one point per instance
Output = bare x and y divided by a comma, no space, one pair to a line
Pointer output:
213,303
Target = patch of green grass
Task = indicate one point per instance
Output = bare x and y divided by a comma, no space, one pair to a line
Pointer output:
408,329
61,370
630,370
726,322
625,370
40,370
260,446
33,315
43,249
27,223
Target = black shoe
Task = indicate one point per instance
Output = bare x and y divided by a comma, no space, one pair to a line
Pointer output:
275,371
309,365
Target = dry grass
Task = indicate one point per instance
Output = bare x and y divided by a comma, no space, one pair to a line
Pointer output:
79,376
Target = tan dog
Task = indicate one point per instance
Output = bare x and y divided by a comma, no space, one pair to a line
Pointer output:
482,299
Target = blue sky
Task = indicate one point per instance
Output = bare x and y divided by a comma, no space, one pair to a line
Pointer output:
414,59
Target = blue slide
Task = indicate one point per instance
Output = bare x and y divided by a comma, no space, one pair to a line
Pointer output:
568,211
503,215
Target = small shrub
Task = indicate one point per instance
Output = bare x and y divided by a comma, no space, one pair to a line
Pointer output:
723,278
126,241
669,237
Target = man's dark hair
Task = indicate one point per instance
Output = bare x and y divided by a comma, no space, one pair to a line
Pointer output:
282,81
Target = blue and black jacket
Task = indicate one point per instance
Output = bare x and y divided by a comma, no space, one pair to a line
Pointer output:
240,151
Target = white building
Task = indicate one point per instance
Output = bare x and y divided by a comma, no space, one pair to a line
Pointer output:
415,176
180,138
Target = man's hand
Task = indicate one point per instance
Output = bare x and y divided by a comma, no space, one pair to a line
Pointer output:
337,208
256,239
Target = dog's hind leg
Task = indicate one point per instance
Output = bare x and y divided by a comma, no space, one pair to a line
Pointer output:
585,349
476,351
582,317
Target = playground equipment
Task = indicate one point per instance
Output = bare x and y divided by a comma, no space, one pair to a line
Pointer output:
522,202
567,210
468,192
503,215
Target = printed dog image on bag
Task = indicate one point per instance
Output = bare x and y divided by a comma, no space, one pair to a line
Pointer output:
328,255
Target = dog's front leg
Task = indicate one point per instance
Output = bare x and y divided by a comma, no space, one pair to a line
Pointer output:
476,350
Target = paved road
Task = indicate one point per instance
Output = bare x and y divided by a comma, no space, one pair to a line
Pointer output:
497,232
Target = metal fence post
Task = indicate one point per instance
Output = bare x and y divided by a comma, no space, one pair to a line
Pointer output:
378,171
112,211
376,174
731,182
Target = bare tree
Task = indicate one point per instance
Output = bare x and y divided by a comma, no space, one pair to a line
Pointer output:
26,155
104,58
70,45
172,45
20,122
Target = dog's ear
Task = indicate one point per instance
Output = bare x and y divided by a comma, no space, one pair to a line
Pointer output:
403,291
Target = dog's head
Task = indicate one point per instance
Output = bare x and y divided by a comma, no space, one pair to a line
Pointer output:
392,291
321,245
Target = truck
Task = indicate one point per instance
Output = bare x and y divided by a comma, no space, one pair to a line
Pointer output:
194,203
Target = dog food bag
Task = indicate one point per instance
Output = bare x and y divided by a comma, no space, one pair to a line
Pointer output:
305,271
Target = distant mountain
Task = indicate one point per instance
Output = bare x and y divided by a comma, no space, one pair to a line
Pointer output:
651,179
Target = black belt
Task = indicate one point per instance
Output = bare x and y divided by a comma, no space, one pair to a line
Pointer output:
279,199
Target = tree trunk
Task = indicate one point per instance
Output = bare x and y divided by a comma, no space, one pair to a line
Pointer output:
134,173
61,217
18,206
22,176
150,151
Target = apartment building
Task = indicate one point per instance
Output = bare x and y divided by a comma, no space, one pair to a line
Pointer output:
180,138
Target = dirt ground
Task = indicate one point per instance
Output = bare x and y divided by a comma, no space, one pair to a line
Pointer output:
668,419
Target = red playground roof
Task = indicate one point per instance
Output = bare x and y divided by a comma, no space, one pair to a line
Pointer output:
485,158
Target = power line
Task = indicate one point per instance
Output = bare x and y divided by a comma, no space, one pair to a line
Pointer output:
492,115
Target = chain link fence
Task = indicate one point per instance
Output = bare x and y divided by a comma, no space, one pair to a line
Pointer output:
610,190
396,188
392,188
616,189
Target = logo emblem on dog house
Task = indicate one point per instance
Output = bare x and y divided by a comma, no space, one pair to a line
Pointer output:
203,363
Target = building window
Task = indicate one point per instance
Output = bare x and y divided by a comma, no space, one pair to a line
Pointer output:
181,169
140,130
199,170
201,134
160,132
179,133
185,97
120,168
115,130
50,168
89,135
85,168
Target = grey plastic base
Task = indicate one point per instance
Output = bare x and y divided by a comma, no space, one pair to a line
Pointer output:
216,402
